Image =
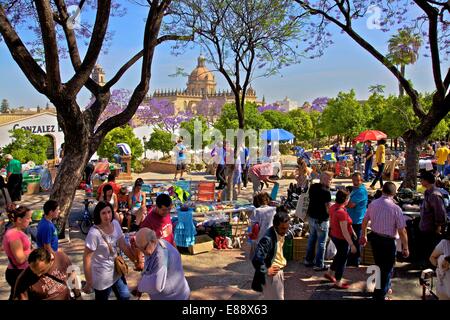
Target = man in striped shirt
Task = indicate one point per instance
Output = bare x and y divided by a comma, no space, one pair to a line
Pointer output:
386,222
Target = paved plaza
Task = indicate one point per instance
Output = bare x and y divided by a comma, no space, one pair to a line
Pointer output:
227,274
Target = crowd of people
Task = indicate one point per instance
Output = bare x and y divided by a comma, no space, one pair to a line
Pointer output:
43,272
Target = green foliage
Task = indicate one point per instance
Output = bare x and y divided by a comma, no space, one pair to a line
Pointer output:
302,125
317,132
404,47
253,118
397,117
374,109
279,120
123,134
189,126
160,140
344,116
26,146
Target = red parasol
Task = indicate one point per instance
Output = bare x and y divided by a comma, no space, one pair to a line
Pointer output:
372,135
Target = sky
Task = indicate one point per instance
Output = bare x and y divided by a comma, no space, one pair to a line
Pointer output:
343,67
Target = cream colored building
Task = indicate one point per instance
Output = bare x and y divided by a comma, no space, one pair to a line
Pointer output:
201,85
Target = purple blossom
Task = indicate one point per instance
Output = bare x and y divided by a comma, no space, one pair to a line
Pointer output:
270,107
319,103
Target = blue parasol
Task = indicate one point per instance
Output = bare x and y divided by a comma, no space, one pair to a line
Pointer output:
277,135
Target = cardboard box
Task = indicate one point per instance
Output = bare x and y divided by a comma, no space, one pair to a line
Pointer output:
299,245
203,243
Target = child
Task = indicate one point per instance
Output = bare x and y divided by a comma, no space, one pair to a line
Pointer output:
122,200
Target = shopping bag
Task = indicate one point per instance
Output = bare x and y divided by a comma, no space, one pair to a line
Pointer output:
302,206
331,250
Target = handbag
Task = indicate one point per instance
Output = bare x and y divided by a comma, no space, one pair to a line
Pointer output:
120,266
75,294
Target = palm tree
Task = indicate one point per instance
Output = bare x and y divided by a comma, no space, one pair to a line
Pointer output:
403,50
377,88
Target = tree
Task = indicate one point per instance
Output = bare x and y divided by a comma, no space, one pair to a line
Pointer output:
428,17
160,140
56,37
5,106
210,109
123,134
303,128
241,37
270,107
279,120
398,117
26,146
317,131
162,113
229,118
375,108
404,50
189,126
319,104
344,116
377,88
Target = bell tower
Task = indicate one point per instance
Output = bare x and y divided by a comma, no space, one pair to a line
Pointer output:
98,75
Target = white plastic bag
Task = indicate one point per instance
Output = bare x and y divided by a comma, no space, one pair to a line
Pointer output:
331,250
302,206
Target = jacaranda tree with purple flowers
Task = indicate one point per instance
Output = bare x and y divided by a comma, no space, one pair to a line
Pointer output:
430,18
319,104
210,109
270,107
162,113
57,34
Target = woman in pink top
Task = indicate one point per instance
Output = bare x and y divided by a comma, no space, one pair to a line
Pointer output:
17,245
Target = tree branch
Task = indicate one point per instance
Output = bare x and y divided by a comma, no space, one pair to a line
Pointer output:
173,37
21,55
49,40
122,70
152,28
72,45
413,94
447,81
82,75
433,16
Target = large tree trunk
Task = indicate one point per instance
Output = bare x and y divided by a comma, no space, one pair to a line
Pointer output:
413,143
76,156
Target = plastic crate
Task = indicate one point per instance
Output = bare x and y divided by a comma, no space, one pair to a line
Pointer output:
299,245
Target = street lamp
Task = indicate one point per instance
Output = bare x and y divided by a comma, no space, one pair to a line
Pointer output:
145,147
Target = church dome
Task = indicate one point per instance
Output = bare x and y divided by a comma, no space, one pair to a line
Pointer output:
201,79
201,72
